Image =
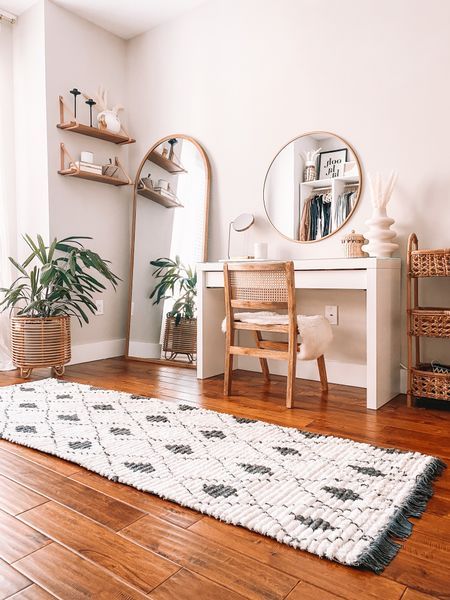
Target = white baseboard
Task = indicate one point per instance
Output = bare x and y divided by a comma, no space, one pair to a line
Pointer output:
338,372
144,350
82,353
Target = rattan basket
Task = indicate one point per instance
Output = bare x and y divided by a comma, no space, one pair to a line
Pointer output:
426,384
430,263
40,342
181,338
430,322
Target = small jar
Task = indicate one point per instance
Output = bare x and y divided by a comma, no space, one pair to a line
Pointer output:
309,172
353,243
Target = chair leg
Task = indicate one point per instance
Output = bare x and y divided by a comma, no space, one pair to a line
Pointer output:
262,361
322,373
228,374
292,368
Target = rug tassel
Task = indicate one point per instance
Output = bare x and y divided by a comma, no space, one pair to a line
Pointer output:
382,550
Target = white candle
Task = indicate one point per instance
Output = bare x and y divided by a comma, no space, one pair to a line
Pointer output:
260,250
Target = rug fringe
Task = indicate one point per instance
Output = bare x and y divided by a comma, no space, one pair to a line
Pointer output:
384,549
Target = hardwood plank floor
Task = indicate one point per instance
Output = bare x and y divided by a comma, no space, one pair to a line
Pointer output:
67,533
32,592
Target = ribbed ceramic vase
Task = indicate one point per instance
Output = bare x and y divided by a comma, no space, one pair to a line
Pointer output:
380,235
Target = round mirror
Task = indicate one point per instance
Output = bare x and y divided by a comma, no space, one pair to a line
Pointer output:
170,232
312,186
243,222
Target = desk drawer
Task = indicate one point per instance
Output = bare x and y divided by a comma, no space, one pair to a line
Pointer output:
344,279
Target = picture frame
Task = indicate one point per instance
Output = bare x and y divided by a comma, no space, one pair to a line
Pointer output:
332,163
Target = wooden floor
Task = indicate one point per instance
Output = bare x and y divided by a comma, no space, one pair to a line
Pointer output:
70,534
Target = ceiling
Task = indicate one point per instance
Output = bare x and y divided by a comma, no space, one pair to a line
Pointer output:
125,19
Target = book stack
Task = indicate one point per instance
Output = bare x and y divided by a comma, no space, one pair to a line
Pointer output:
167,193
88,167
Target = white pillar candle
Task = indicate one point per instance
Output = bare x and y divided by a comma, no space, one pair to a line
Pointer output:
260,250
87,157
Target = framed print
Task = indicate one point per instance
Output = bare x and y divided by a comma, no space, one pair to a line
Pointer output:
331,163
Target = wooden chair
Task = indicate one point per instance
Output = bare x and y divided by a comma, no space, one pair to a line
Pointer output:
263,286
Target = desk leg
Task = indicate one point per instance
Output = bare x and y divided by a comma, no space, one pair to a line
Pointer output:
383,336
210,339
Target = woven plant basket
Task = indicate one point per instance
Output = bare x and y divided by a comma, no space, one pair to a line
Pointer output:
426,384
430,322
430,263
181,338
40,342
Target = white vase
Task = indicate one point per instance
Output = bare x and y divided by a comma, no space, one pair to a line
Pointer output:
107,119
380,235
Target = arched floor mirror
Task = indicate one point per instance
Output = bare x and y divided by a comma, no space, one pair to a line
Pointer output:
169,236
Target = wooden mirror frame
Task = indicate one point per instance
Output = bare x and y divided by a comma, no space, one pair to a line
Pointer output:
350,147
207,166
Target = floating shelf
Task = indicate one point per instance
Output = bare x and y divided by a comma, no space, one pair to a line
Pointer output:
319,183
165,163
72,172
159,198
102,134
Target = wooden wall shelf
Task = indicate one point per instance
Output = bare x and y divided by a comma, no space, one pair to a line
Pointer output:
159,198
165,163
93,177
102,134
73,171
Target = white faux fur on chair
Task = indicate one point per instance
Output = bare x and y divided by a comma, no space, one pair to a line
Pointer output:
315,331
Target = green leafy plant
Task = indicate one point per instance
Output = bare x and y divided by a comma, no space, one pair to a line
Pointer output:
57,280
175,279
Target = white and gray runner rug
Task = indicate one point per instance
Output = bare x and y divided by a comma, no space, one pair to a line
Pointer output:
339,499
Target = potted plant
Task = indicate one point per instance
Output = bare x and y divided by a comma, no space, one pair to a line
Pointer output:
179,281
56,282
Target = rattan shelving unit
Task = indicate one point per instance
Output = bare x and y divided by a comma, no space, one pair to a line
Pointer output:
425,322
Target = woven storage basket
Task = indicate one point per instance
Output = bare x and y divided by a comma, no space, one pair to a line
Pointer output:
430,322
181,338
430,263
426,384
40,342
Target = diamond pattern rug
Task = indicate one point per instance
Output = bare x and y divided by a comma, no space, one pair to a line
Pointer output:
342,500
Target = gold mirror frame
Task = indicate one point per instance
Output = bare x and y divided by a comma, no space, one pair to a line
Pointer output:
350,147
207,166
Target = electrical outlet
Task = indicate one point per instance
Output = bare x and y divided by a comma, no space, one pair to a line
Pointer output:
331,313
99,304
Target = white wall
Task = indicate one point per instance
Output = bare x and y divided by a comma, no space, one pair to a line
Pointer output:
245,77
79,54
30,125
7,158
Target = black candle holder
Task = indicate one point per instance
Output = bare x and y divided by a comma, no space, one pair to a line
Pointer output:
172,143
90,103
75,93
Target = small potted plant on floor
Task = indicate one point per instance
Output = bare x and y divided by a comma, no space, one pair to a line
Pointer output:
177,281
56,282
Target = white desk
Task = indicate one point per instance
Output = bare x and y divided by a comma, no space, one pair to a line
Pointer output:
379,278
